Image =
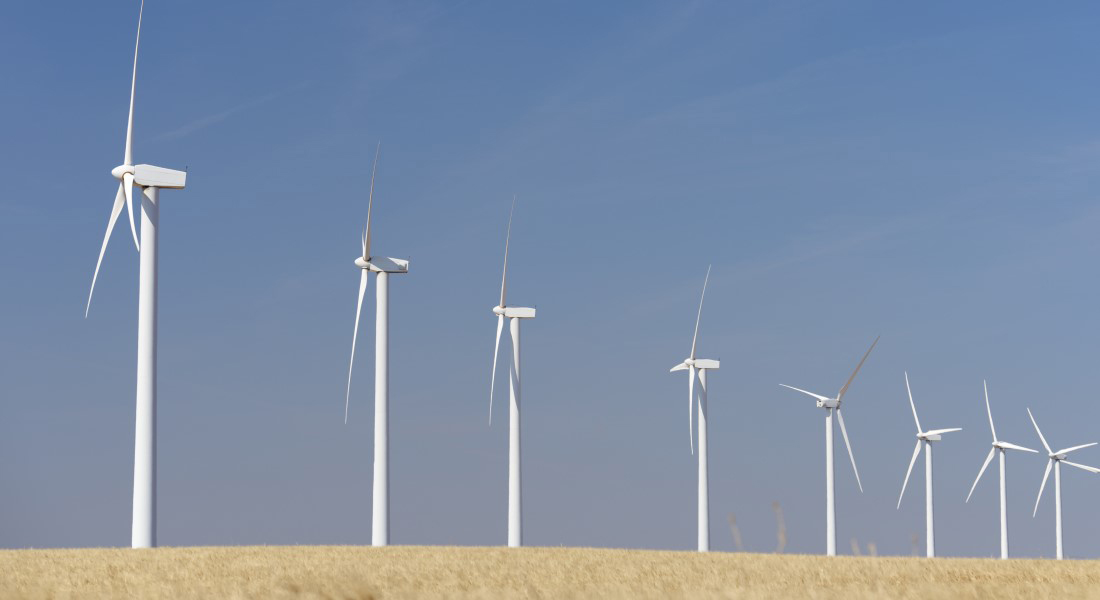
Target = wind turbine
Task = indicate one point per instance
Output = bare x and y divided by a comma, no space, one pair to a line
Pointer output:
383,267
1000,449
1056,459
151,180
926,438
697,369
830,405
514,314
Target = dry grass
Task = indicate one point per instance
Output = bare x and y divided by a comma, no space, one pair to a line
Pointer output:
446,572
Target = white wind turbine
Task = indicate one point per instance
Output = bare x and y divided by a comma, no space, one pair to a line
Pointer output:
1056,459
1000,449
514,314
380,522
830,405
150,179
926,438
697,369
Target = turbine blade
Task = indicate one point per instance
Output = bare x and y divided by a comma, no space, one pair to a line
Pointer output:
363,279
988,459
942,431
1041,438
844,434
1042,486
989,412
844,389
791,387
911,403
370,202
916,453
129,155
128,189
1083,467
699,315
493,377
1072,448
507,241
1008,446
120,200
691,408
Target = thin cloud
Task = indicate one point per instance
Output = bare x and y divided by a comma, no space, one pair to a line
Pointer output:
839,244
204,122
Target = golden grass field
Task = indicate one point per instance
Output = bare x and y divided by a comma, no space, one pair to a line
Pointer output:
451,572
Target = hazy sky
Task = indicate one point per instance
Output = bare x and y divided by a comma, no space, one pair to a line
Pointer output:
850,169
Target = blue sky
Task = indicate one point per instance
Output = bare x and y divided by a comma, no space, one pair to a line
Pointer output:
923,172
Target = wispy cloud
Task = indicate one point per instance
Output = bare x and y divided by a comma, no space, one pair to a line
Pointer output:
831,245
204,122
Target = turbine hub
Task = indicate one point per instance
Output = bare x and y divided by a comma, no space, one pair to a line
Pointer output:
498,310
121,170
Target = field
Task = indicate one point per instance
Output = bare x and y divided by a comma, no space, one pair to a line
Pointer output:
449,572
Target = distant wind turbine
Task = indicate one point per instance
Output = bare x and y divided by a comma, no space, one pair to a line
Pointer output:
926,438
830,405
1000,449
150,179
1056,459
514,314
380,522
697,369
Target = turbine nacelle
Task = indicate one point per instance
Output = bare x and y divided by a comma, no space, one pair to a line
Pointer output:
1008,446
698,363
935,435
514,312
159,177
828,403
152,176
382,264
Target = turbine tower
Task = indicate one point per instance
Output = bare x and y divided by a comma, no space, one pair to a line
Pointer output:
514,314
830,405
1056,459
383,267
151,180
926,438
697,369
1000,449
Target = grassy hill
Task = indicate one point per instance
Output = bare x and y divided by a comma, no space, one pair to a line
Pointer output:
450,572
